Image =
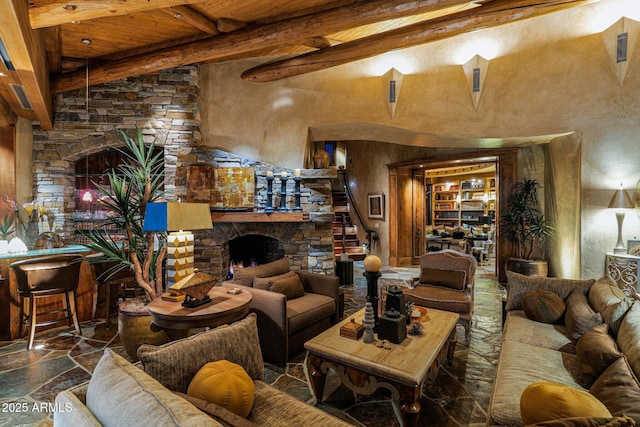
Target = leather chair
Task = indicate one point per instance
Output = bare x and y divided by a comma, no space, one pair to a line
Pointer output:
284,325
44,277
446,283
108,279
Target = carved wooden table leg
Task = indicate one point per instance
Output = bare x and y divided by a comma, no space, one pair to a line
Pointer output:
410,405
318,378
451,347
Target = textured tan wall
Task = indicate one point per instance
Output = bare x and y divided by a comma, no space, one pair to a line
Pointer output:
552,76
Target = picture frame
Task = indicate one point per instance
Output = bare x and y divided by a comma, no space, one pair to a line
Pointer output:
224,188
376,205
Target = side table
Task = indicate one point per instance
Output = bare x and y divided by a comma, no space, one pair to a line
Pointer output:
623,269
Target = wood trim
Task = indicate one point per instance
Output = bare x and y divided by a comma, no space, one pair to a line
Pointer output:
259,217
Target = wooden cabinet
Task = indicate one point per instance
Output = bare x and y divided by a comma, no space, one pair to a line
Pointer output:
462,202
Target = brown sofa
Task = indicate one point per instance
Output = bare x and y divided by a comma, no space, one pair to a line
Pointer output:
569,351
285,323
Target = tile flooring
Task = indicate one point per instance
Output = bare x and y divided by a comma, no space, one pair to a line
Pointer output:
30,380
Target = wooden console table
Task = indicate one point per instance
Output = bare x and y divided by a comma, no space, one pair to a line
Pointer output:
623,269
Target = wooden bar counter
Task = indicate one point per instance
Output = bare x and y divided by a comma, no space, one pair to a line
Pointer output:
10,299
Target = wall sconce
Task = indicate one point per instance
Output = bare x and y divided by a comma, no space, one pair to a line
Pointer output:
475,71
620,201
393,83
620,42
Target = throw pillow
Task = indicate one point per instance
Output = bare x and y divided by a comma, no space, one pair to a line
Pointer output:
291,287
225,384
596,350
543,306
265,282
120,394
520,284
609,300
217,412
619,389
545,401
174,364
244,276
579,316
589,422
453,279
629,336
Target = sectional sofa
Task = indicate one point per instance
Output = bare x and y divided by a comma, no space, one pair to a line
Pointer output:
594,347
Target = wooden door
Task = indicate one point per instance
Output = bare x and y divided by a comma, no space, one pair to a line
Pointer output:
418,247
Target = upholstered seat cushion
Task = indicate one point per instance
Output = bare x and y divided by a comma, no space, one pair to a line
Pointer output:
440,298
520,328
304,311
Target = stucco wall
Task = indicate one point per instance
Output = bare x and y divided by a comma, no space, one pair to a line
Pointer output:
551,75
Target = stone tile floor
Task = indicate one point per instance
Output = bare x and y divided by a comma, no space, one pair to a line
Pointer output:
459,396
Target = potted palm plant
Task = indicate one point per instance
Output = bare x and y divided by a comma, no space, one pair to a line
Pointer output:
129,189
526,226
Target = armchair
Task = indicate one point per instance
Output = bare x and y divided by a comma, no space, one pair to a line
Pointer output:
286,318
446,283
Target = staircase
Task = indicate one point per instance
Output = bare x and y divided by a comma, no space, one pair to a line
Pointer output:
352,245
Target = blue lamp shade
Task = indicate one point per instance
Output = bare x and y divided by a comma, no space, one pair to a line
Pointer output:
175,216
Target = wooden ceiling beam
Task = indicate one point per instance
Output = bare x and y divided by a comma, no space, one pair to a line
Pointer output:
26,50
491,14
53,46
59,12
226,25
290,31
193,18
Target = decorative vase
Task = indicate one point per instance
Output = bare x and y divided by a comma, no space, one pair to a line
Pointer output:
528,267
368,322
321,160
134,326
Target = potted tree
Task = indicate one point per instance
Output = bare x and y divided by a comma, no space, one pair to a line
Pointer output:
128,190
527,228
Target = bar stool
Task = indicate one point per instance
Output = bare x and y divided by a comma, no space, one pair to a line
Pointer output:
44,277
109,277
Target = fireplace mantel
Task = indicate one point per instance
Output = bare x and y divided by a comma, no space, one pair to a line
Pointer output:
259,217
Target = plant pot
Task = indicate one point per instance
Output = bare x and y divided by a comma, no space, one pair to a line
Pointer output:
134,326
528,267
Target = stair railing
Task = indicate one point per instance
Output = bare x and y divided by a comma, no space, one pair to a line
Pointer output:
372,235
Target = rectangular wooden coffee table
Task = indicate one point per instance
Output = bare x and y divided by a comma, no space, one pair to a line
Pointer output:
365,367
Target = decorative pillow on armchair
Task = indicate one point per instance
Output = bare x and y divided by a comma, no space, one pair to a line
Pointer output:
266,282
290,286
452,279
244,276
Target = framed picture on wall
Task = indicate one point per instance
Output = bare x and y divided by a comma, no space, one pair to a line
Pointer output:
376,206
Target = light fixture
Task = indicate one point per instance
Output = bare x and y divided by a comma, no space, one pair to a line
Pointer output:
475,71
87,196
620,42
177,218
86,41
620,201
393,82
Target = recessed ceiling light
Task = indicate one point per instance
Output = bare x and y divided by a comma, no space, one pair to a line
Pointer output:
75,22
86,41
70,7
178,16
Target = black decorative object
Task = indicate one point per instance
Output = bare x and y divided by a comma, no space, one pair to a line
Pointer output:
283,193
296,193
269,208
372,294
395,299
393,326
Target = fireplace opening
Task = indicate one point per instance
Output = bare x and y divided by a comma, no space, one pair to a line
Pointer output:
254,249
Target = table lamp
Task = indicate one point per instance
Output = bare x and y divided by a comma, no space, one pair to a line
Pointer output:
620,201
178,219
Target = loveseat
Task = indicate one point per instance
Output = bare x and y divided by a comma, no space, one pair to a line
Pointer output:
122,394
593,347
293,306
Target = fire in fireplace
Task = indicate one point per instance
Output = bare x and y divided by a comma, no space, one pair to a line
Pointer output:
253,249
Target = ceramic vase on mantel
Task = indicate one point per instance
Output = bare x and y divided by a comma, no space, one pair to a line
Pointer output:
321,159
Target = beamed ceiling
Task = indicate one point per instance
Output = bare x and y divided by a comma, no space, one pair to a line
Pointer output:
52,42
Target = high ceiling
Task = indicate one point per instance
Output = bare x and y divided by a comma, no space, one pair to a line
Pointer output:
57,45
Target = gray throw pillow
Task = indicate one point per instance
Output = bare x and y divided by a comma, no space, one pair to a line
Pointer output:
519,285
609,300
579,317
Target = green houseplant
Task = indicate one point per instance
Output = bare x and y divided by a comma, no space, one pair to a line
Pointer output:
129,189
526,226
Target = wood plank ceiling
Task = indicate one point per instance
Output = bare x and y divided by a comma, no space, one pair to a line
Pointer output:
52,43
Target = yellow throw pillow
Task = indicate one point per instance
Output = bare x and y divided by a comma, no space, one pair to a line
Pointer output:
546,401
225,384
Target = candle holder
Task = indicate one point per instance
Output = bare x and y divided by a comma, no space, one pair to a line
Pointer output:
296,193
283,195
372,294
269,208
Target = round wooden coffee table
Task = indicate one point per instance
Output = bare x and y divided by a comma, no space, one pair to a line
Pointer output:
176,320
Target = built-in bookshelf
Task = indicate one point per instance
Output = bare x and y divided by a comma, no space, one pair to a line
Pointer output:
460,202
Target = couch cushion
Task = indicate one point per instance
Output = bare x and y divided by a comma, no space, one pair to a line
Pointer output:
265,282
521,364
174,364
121,394
226,384
440,298
609,300
629,337
543,306
619,390
579,317
545,401
274,408
244,276
291,287
519,328
588,422
596,350
520,284
216,412
303,311
453,279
